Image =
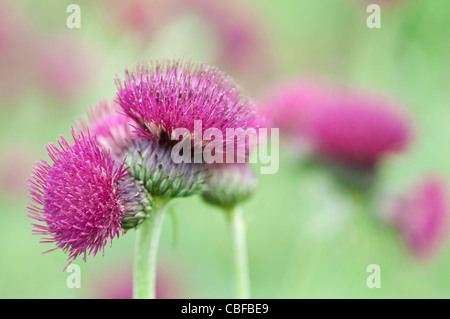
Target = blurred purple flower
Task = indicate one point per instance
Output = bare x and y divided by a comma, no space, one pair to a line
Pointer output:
243,41
15,45
291,105
10,29
15,163
65,66
243,44
82,198
139,17
421,217
117,283
358,130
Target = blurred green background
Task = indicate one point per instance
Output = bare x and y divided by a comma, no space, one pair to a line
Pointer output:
302,239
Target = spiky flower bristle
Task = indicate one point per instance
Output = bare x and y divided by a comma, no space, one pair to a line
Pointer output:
163,96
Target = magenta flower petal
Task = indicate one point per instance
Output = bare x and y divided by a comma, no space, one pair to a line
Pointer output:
78,201
140,18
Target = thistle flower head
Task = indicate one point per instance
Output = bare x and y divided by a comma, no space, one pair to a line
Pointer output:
81,199
229,184
421,217
112,130
163,96
359,131
140,18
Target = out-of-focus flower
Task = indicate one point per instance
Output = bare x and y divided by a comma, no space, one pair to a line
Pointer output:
84,199
65,66
11,30
243,44
421,217
15,61
112,130
291,106
15,167
117,283
141,18
359,130
163,97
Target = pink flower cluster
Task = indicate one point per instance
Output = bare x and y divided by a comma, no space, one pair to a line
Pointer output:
89,196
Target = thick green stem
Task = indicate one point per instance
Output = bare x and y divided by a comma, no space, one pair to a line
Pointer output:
147,241
242,279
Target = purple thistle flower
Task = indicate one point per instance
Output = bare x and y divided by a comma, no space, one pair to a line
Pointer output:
358,131
111,129
421,217
140,18
83,198
163,96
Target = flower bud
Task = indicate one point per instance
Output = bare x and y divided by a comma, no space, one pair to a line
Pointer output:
229,184
151,163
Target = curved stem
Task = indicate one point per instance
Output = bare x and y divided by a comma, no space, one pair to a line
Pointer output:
147,241
242,280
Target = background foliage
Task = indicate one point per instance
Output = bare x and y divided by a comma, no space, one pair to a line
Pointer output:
304,237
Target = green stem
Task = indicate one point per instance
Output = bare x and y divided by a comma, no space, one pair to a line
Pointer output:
236,217
147,241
